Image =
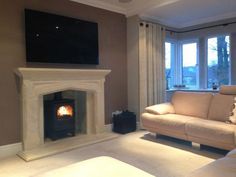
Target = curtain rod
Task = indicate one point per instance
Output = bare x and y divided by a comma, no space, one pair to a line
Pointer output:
196,29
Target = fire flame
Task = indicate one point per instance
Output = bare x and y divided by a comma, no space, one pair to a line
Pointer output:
66,110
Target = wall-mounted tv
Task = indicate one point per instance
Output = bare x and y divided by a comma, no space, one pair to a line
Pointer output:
57,39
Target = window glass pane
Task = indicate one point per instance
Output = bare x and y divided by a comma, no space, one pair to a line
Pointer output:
189,68
218,61
169,58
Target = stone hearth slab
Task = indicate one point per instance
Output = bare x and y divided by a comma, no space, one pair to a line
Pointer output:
63,145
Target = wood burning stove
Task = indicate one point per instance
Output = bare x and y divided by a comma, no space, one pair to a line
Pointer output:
59,118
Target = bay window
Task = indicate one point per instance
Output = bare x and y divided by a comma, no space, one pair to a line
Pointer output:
184,67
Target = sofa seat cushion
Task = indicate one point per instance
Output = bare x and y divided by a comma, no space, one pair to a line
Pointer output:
221,107
194,104
211,130
224,167
170,122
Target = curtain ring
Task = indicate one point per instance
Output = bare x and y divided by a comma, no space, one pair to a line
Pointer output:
141,24
147,25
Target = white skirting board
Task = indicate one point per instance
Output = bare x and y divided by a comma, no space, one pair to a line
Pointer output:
108,127
10,149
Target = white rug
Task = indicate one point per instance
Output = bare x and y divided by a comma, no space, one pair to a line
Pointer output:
161,158
102,166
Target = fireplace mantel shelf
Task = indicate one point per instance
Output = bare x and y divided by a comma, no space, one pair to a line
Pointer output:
37,82
60,74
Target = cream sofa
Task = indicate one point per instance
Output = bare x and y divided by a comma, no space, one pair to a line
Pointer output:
224,167
195,116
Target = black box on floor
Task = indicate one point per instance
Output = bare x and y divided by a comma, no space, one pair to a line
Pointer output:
124,122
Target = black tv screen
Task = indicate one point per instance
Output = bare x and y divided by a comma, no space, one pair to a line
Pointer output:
57,39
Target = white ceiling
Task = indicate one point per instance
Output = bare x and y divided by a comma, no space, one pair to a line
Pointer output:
173,13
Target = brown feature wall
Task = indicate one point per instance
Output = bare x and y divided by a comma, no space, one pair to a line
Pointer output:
112,54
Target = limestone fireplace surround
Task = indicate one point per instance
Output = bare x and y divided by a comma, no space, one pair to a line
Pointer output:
36,82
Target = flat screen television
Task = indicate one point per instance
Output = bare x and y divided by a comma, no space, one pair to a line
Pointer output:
57,39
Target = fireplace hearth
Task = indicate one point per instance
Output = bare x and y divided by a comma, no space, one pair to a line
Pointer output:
59,118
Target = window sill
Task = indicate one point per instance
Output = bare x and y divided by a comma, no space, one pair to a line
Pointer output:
192,90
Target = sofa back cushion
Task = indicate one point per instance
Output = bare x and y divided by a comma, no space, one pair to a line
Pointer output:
221,107
228,89
191,103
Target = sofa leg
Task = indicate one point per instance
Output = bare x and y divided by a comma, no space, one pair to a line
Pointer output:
152,134
196,146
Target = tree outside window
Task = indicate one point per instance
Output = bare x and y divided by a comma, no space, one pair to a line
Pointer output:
218,61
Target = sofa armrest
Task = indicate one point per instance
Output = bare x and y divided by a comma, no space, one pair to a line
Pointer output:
232,153
163,108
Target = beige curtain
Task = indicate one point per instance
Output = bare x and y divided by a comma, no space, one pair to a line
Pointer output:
151,64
